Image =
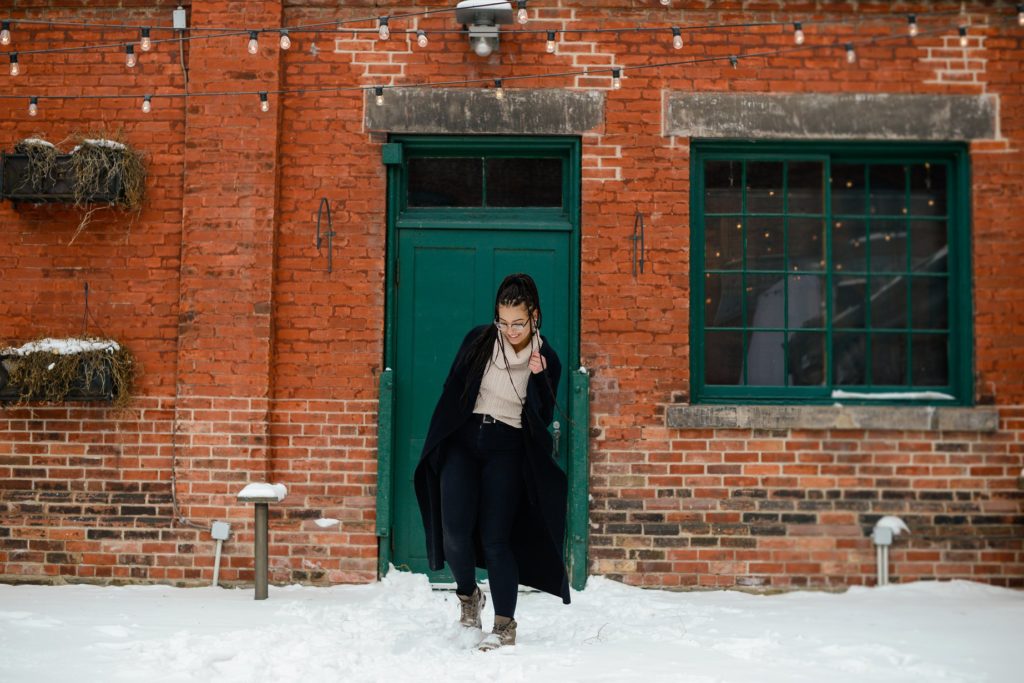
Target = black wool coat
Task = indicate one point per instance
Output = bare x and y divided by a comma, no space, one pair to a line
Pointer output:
539,530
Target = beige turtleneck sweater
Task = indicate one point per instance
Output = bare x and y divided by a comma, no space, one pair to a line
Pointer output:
499,397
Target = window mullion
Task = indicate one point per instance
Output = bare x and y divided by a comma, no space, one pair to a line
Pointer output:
908,374
785,273
744,232
869,369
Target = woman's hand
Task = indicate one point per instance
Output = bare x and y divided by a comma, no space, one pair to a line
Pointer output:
537,362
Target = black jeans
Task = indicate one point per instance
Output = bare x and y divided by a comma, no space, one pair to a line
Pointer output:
481,482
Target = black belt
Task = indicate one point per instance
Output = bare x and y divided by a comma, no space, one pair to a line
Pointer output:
490,420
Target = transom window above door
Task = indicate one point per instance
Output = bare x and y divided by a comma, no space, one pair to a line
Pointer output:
498,182
830,271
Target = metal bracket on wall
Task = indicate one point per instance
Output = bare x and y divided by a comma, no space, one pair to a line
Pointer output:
638,243
324,204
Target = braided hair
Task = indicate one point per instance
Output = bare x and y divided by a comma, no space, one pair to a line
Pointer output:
515,289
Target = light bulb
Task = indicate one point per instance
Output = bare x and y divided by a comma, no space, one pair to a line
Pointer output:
15,69
666,2
145,43
851,56
734,60
616,79
499,91
522,16
963,36
33,106
677,38
129,56
1020,17
379,92
550,47
147,104
383,31
254,42
264,102
912,25
798,33
5,33
421,38
286,42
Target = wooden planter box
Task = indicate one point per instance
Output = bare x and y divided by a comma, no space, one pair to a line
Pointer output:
101,388
59,187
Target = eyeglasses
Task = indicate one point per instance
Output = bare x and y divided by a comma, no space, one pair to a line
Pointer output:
515,327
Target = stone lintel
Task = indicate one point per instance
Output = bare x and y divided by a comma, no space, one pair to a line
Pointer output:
853,116
899,418
476,111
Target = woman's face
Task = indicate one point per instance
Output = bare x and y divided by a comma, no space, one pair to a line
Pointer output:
514,324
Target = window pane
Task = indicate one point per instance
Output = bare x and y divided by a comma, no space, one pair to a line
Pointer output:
848,355
806,240
928,189
524,182
806,301
888,195
928,242
445,182
930,360
723,186
849,295
723,243
765,365
764,187
765,245
765,299
806,355
806,187
723,352
723,300
888,245
888,302
851,292
930,303
848,189
849,245
889,359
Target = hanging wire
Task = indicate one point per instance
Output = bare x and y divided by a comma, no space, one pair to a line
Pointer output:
224,32
586,71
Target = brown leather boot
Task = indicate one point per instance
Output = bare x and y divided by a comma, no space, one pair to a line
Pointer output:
471,606
503,634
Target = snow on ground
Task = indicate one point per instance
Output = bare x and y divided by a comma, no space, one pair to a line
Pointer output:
400,629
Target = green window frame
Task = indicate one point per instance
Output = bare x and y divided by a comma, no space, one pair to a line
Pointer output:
487,150
826,271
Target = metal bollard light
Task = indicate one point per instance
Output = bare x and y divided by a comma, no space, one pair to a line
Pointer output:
262,495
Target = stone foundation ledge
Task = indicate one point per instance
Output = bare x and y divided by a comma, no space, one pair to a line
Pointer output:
909,418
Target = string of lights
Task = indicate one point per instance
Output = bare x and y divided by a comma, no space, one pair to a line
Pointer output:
522,17
384,31
616,73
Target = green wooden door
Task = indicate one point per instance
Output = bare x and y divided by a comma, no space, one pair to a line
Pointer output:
447,280
447,262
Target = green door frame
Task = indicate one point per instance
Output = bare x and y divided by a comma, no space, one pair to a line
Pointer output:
395,155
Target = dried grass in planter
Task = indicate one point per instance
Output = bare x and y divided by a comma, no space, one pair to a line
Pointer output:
95,161
46,376
42,157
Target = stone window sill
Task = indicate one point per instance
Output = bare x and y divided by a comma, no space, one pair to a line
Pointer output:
909,418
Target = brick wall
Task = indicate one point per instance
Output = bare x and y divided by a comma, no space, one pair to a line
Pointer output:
257,363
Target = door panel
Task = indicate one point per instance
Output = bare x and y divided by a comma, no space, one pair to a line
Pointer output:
447,281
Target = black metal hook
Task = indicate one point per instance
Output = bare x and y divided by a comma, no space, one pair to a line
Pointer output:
329,234
638,236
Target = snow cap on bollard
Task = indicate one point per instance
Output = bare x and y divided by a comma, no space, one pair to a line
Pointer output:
263,493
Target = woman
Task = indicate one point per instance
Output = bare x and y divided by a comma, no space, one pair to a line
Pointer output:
489,490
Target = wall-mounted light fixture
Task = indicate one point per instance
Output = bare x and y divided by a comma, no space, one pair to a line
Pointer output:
482,19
